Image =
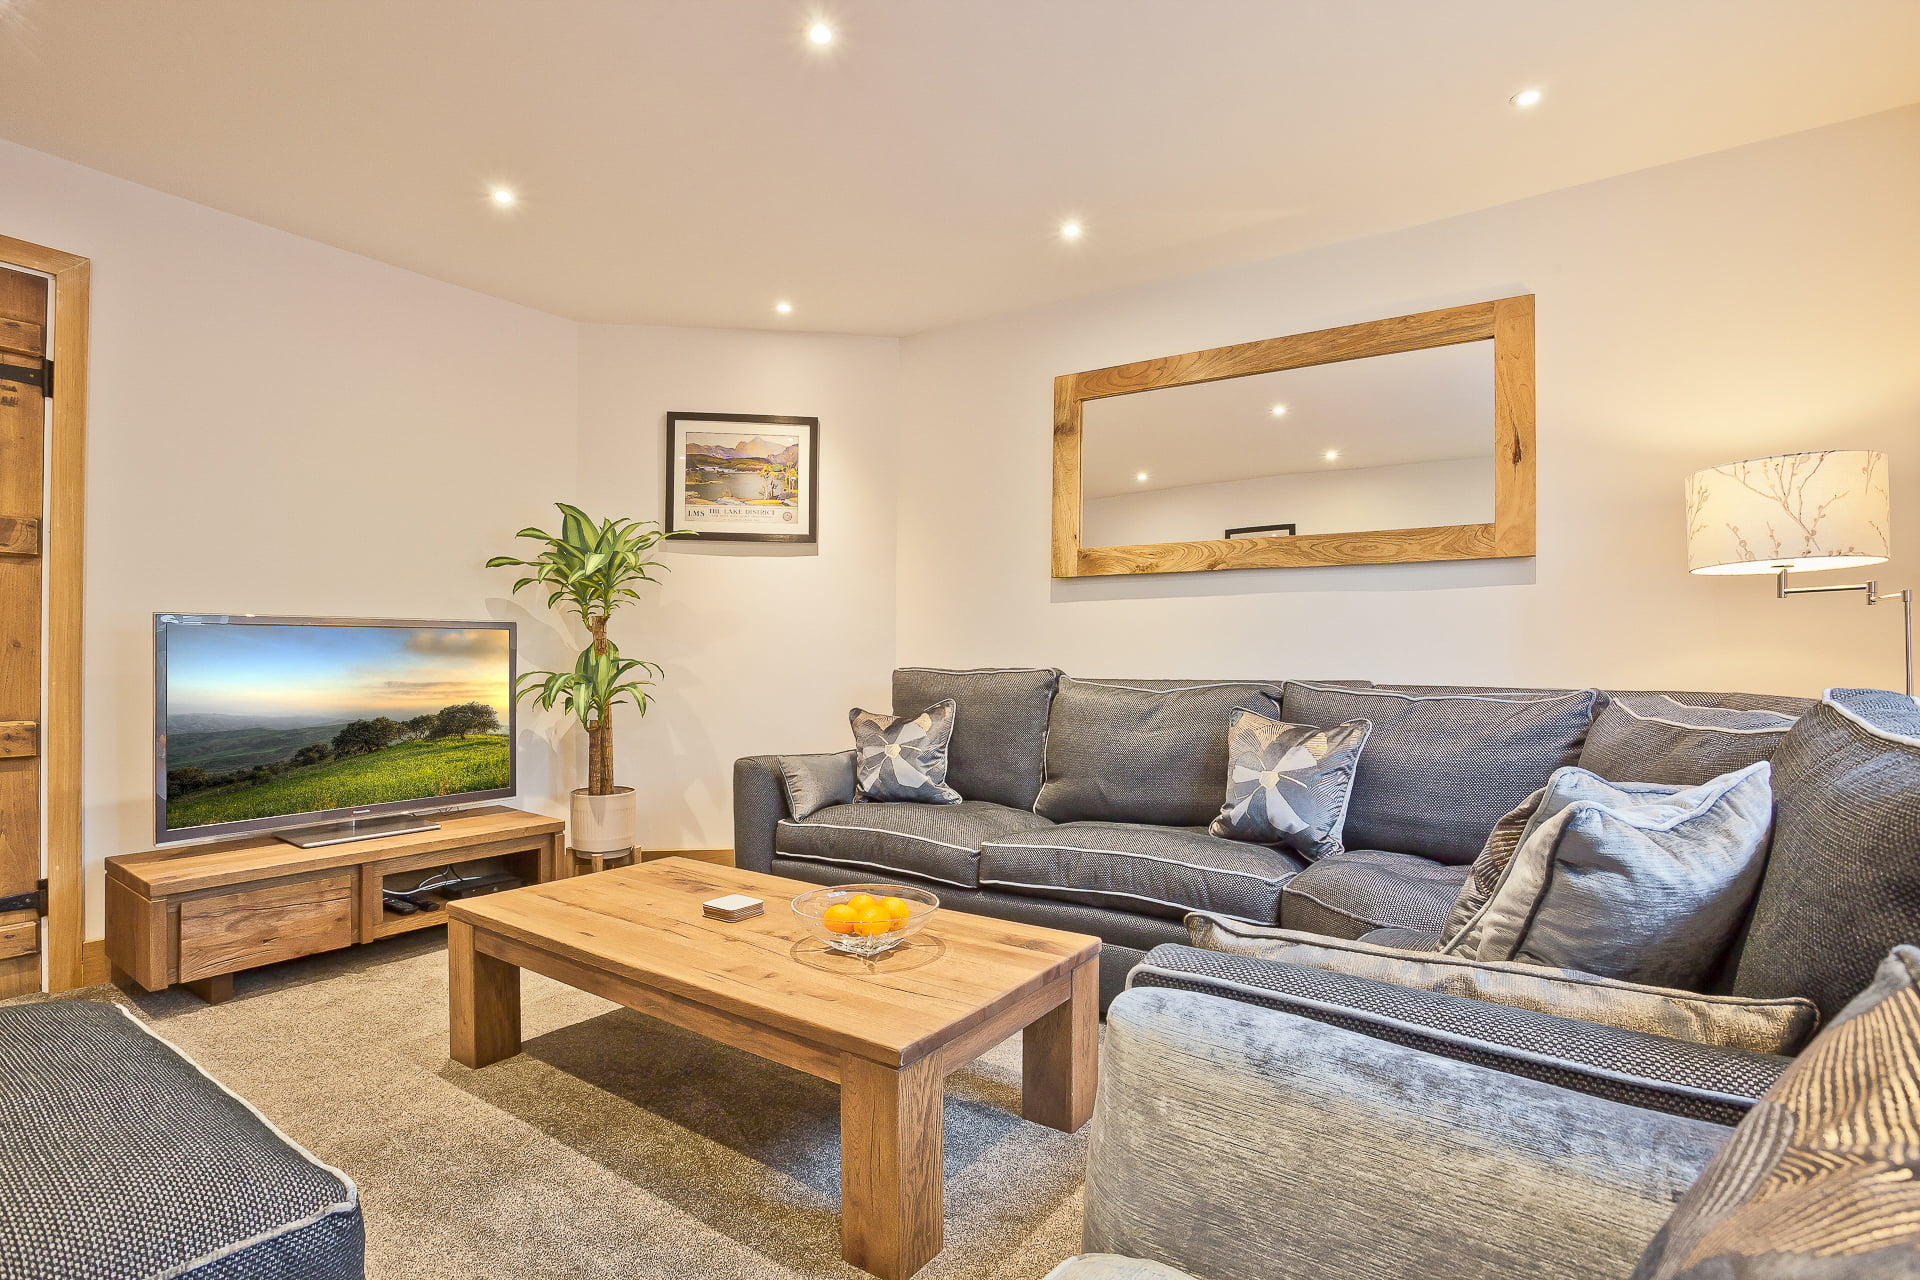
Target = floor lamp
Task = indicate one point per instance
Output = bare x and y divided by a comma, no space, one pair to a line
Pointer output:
1796,512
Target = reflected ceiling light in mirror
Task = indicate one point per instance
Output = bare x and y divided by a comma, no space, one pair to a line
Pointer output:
1142,477
784,308
1526,98
1331,455
503,197
1071,231
1279,411
820,33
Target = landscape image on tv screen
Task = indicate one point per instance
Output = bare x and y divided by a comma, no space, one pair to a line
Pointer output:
269,720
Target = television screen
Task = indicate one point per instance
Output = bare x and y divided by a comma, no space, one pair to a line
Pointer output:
264,720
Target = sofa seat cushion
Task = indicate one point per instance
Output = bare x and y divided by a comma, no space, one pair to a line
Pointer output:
123,1158
1164,871
1356,892
1440,768
933,841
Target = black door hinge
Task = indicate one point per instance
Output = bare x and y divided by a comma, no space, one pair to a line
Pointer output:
34,375
35,902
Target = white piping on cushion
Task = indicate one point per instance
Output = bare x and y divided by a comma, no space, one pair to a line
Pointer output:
877,866
351,1203
1882,734
1514,699
1263,686
1112,893
1707,728
975,671
1126,853
1451,1037
904,835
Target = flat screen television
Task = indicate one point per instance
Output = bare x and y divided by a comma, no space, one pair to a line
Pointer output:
262,723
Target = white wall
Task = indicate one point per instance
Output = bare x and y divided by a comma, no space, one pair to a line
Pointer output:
1756,301
766,646
1407,495
281,427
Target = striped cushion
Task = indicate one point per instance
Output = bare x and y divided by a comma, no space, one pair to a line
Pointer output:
1822,1177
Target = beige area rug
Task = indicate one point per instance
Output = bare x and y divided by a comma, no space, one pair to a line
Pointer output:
614,1146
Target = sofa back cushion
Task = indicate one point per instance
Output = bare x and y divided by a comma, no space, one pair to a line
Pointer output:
1651,737
1131,753
1440,769
1000,727
1842,884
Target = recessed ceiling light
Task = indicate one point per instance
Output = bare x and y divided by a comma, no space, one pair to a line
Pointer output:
820,33
1071,230
1279,411
1331,454
784,308
1141,477
504,197
1526,98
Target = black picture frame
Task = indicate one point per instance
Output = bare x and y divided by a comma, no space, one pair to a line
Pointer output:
1263,531
806,484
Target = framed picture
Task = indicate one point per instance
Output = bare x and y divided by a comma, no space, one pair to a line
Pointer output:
1262,531
743,477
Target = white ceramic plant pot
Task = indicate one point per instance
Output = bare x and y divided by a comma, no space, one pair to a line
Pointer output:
605,824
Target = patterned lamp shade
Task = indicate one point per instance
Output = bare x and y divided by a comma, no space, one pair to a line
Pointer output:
1793,511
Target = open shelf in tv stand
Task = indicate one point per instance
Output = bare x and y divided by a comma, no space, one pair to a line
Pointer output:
198,915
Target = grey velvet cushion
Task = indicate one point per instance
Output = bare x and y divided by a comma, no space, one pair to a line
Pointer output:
935,842
812,782
1000,733
1843,879
1165,871
120,1158
1706,1082
1440,769
1755,1026
1650,737
1288,784
1821,1180
1361,890
1633,881
1489,868
1121,753
1243,1144
904,757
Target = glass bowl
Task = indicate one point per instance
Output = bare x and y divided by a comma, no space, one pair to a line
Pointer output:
865,937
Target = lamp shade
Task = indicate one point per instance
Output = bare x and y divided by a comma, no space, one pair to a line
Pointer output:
1799,511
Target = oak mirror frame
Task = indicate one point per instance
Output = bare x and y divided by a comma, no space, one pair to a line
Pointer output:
1506,322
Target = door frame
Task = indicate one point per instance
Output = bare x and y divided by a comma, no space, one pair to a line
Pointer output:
64,937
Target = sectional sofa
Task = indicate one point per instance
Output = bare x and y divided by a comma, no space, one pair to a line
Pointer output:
1086,801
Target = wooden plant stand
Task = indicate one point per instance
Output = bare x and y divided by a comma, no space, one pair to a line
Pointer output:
198,915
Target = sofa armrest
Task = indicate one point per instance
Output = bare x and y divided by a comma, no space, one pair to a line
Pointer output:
1705,1082
759,802
1771,1026
1240,1143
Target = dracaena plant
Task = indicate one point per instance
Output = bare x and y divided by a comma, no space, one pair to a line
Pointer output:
590,569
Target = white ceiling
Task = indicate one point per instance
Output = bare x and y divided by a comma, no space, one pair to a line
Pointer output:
1415,406
694,161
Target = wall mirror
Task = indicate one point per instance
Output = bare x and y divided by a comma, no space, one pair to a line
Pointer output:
1398,440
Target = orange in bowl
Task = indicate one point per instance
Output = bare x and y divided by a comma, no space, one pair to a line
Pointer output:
840,917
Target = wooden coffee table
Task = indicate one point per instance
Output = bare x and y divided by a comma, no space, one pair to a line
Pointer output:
888,1030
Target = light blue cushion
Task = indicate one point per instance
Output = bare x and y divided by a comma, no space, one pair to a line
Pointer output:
1635,881
1111,1266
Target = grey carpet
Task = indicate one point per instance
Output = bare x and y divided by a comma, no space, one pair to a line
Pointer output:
614,1146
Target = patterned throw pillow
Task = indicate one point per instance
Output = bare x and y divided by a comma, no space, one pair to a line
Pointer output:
1821,1180
1487,869
904,757
1289,784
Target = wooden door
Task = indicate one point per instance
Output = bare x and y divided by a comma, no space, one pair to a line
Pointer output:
23,379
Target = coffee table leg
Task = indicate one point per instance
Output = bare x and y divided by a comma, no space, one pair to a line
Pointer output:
1060,1056
485,1001
890,1166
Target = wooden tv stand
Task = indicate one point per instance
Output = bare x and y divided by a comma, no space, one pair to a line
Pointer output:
198,915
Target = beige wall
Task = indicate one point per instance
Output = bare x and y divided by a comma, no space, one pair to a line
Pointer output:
1755,301
281,427
765,646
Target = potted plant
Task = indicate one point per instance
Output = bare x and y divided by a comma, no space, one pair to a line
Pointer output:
591,569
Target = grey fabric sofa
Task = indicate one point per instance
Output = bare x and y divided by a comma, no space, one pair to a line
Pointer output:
1085,804
119,1158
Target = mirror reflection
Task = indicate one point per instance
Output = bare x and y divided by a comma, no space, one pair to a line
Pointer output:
1402,441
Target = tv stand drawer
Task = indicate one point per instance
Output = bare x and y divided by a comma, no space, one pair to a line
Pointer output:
236,931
